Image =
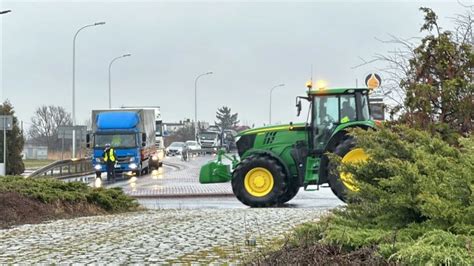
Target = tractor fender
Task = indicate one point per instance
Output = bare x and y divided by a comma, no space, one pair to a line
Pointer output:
272,155
335,139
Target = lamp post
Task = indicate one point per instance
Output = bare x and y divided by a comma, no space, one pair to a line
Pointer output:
110,86
195,102
74,85
271,91
3,170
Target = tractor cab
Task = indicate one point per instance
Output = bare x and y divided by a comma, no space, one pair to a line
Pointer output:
332,108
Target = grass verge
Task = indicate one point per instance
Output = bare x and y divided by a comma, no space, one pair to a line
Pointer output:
36,164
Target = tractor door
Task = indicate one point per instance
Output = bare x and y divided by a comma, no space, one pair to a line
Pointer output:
325,120
330,111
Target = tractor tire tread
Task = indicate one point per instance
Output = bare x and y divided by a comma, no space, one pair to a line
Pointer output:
337,187
238,179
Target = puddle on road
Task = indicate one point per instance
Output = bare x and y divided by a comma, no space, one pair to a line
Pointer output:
157,174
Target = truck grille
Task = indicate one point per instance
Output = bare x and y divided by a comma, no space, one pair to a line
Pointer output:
123,159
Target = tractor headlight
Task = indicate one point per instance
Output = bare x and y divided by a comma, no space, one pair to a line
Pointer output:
97,160
97,167
133,166
132,159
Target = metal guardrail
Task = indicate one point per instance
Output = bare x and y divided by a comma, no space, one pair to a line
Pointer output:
65,169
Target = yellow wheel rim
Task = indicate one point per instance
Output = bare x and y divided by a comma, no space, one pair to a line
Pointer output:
353,156
258,182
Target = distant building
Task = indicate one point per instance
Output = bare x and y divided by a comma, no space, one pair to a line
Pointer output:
33,152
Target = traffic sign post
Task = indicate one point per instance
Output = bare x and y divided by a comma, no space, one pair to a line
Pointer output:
6,123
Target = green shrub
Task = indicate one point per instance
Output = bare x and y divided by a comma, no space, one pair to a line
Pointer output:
49,190
113,200
415,201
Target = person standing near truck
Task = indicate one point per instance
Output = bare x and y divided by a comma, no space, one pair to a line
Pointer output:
110,158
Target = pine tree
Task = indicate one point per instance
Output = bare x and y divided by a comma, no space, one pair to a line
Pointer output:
15,143
226,120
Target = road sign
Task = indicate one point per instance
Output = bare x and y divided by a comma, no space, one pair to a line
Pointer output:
373,81
6,122
66,132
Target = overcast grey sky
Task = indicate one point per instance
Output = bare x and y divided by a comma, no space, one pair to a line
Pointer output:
249,46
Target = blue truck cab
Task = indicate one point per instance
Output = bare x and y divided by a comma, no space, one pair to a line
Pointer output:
131,133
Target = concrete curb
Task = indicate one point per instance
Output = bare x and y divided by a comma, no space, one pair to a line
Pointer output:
196,195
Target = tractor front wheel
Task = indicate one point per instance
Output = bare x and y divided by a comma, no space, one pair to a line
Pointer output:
259,181
341,182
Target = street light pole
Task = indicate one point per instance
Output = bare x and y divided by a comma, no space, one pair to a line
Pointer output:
4,166
195,102
110,86
74,85
270,111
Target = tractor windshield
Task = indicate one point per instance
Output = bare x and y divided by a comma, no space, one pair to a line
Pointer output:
331,110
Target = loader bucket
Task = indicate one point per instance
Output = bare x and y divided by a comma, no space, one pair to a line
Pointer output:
214,172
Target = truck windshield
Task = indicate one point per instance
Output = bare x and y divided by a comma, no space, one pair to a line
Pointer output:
115,140
208,135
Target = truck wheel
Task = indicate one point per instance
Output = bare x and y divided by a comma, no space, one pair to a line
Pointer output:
138,173
290,193
341,182
258,181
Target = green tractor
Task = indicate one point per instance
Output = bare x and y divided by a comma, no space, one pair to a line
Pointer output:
275,161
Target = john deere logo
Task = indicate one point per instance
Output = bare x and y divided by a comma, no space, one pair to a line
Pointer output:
373,81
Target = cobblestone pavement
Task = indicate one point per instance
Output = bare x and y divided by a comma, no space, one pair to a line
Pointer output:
155,236
176,179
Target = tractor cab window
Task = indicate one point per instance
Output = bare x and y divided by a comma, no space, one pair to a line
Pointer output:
326,117
348,108
364,106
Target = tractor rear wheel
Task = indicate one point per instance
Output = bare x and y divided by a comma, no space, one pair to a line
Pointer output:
341,182
259,181
290,193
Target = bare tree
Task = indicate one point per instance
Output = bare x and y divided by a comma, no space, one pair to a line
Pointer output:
45,123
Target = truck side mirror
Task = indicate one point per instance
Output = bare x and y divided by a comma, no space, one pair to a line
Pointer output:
143,139
298,107
88,140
